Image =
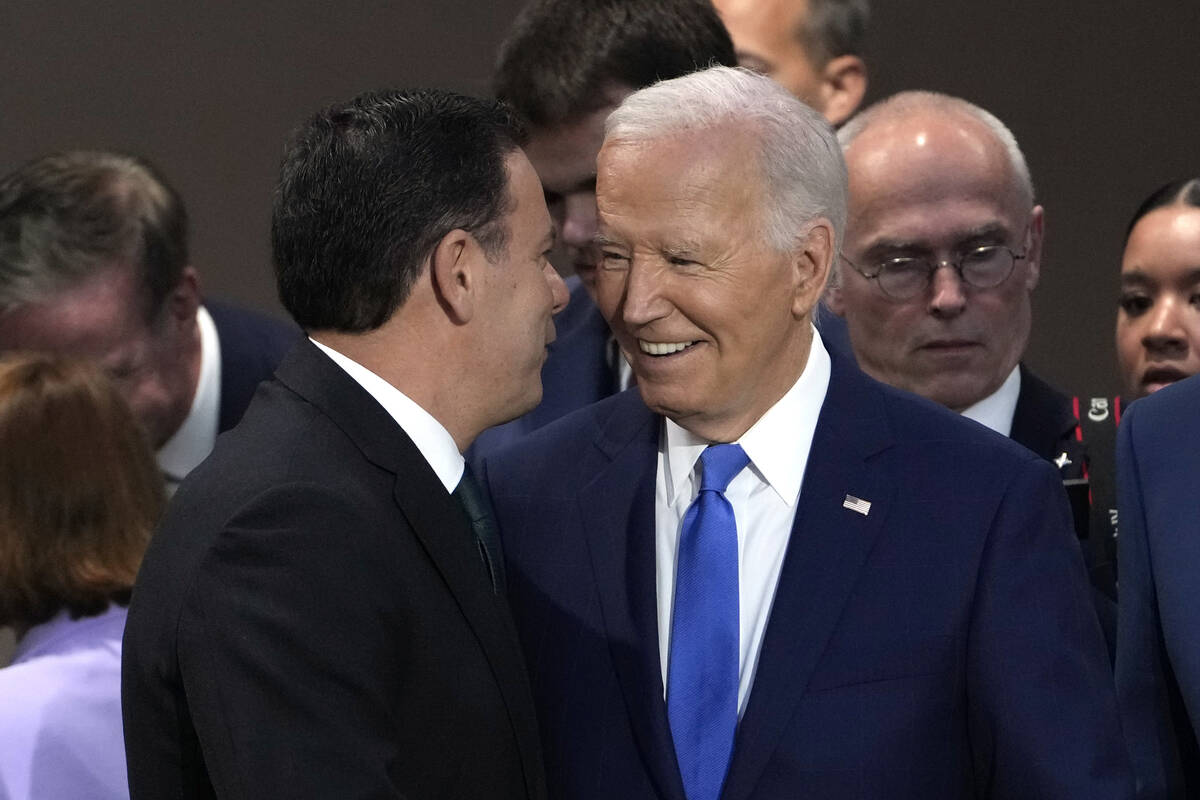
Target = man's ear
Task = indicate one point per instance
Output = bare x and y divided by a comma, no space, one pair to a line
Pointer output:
1033,252
184,300
843,84
455,272
813,260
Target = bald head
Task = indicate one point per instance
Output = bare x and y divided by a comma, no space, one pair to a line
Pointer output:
911,120
936,180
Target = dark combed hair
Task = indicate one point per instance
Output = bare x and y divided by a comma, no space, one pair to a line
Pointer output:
835,28
68,216
369,187
563,56
80,491
1181,192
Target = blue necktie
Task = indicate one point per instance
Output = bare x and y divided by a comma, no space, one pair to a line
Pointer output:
702,679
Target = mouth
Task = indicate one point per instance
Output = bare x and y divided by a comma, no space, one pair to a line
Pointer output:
1155,378
948,344
661,349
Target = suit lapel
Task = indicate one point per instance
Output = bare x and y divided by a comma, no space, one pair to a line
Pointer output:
446,536
621,500
438,523
828,548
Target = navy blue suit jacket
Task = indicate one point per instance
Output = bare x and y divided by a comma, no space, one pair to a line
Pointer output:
941,646
1158,638
252,345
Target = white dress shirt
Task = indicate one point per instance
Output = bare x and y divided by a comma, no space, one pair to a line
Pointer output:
431,438
763,497
195,438
996,411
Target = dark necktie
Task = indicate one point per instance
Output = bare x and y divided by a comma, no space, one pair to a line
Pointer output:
702,677
483,523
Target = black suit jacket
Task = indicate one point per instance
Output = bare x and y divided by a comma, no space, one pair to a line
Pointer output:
312,619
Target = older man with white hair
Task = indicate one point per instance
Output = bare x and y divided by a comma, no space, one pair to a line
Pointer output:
763,574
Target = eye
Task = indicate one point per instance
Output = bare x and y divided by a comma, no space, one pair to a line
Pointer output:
1134,304
1194,299
610,259
680,261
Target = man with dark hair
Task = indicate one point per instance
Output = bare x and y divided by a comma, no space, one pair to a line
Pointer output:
564,66
94,264
322,613
814,48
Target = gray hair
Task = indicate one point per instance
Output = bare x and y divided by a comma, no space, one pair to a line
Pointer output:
69,216
907,103
834,28
804,173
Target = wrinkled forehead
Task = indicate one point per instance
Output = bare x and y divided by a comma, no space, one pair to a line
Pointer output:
916,176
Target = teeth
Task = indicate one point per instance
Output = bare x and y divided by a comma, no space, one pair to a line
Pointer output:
662,348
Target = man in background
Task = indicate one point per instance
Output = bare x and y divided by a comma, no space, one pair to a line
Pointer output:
564,66
322,612
943,251
813,48
94,264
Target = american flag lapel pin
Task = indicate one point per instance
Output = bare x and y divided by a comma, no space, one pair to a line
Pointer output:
857,504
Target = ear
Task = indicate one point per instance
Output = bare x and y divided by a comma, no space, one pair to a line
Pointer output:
1033,251
843,84
456,273
813,260
184,300
834,300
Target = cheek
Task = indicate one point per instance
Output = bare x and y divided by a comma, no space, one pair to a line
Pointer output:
1128,341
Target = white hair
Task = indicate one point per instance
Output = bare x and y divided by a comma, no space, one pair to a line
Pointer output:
905,104
803,170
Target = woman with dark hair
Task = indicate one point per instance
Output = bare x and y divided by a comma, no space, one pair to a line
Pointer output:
79,496
1158,320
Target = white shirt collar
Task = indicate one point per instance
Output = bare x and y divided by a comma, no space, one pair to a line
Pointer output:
773,442
431,438
195,438
997,409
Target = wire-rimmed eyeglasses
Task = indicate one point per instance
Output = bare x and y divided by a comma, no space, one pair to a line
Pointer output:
905,277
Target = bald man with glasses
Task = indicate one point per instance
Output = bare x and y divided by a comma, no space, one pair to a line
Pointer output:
942,253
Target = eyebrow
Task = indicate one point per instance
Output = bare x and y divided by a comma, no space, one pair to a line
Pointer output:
585,184
600,240
1138,277
990,230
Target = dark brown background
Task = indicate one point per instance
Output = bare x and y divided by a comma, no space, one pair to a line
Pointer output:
1103,99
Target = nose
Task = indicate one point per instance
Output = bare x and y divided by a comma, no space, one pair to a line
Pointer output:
948,298
643,301
579,220
1164,328
558,289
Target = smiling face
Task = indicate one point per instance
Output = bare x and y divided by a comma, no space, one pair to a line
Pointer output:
714,322
1158,319
936,187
